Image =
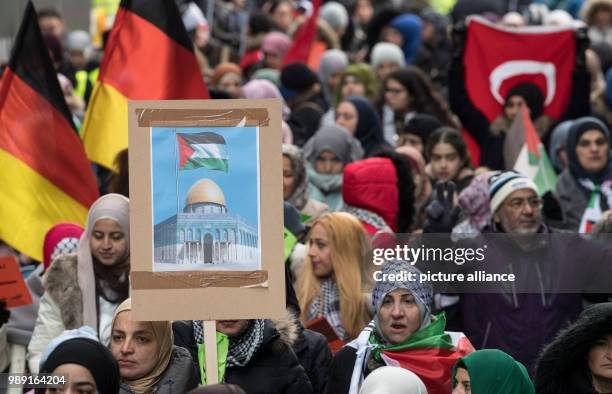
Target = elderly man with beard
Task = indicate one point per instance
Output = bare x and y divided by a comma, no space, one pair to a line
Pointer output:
553,270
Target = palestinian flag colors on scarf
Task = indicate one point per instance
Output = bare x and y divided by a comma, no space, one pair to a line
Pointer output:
148,57
431,354
525,153
45,177
205,149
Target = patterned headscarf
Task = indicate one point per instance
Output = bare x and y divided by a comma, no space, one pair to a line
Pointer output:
422,292
299,197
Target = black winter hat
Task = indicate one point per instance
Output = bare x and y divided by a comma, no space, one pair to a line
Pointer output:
532,95
297,77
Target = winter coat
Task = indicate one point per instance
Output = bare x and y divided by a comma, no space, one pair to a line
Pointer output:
313,352
572,198
372,185
23,318
521,323
180,375
61,308
562,367
274,368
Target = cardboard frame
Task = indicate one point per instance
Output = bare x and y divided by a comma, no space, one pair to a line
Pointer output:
206,295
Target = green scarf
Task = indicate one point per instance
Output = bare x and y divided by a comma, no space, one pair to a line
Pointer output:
493,371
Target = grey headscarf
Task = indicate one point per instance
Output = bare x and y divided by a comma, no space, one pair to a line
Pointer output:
332,61
299,197
335,139
423,292
558,139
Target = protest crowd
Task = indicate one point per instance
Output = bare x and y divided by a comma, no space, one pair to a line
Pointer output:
458,117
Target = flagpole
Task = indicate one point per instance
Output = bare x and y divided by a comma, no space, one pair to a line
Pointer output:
176,177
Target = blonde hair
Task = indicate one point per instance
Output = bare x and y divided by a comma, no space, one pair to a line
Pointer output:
349,244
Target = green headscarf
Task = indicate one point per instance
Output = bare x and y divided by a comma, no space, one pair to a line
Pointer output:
495,372
365,74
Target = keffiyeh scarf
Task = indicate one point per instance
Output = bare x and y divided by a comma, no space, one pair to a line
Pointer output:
328,305
241,348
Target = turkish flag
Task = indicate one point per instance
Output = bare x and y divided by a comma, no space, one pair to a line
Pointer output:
498,58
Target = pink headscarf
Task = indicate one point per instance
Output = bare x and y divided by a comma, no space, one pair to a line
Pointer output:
264,89
60,239
277,43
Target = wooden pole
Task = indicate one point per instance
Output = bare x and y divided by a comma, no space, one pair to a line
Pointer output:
210,348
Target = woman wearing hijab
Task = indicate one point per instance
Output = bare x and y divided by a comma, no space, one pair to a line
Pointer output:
327,152
490,371
295,184
227,77
556,148
85,288
264,89
402,323
585,188
89,367
578,360
474,204
148,360
358,116
333,62
356,80
405,32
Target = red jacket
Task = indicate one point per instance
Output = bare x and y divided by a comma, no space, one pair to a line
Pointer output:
371,184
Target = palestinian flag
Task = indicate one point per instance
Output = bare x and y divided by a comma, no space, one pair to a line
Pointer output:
148,57
45,176
525,153
205,149
431,354
304,38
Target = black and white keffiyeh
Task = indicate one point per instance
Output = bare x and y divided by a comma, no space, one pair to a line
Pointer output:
328,305
368,217
241,348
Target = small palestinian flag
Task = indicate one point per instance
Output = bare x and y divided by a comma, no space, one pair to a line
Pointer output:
524,153
205,149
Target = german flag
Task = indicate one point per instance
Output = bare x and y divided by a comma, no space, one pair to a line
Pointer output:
45,176
148,57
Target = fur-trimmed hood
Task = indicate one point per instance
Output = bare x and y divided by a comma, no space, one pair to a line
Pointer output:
563,368
587,12
61,284
288,328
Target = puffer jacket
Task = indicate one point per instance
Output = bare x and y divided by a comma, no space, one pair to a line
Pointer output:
274,368
179,377
563,366
371,185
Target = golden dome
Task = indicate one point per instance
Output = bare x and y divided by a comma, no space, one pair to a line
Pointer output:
205,191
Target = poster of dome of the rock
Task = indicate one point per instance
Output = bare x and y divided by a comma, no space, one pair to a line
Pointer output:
205,189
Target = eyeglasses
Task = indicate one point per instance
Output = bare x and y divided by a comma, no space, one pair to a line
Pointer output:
394,91
587,143
517,204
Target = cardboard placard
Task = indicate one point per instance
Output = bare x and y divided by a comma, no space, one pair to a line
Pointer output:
206,224
13,289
